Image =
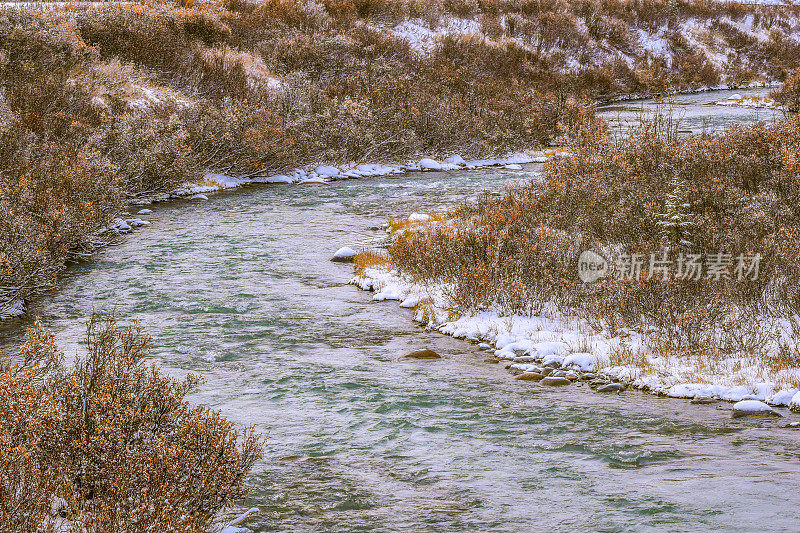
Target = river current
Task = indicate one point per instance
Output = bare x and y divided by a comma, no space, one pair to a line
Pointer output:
240,289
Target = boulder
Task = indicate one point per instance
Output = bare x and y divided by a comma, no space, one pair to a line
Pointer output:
430,164
327,171
612,387
422,354
794,404
752,408
344,255
555,382
530,376
704,401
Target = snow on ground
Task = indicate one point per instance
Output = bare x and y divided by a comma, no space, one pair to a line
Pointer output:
737,100
551,337
214,182
422,38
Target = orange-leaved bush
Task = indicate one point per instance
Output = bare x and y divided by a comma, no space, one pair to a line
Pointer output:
110,443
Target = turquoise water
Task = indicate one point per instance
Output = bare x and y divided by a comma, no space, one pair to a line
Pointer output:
240,290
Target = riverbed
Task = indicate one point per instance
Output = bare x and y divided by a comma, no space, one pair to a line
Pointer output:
240,289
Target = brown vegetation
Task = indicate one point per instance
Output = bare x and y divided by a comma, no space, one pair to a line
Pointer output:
733,193
111,444
143,96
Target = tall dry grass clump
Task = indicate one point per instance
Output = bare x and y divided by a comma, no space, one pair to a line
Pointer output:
110,443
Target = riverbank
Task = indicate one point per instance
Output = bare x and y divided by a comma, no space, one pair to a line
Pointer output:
568,346
505,269
125,222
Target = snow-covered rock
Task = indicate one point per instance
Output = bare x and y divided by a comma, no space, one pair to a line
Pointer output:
782,397
119,225
411,301
513,166
794,404
430,164
327,171
144,212
456,160
752,408
344,255
198,197
390,292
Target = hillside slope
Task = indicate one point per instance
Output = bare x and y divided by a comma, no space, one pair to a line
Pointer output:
99,101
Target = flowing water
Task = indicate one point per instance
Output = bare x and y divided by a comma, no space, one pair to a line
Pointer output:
693,113
240,290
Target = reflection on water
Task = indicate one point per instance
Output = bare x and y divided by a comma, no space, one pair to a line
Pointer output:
240,289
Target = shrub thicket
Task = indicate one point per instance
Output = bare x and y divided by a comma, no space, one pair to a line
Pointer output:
156,92
734,193
111,444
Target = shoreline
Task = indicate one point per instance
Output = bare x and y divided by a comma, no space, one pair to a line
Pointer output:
126,221
528,345
773,84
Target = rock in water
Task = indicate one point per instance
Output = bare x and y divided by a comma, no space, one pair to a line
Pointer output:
704,401
344,255
530,376
611,387
794,403
752,408
555,382
422,354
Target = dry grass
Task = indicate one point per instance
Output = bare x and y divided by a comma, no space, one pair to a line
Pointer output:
369,259
518,252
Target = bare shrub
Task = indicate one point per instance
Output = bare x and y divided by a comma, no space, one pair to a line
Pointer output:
111,444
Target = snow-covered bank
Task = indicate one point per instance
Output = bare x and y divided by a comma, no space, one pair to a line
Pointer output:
629,97
213,182
757,102
532,346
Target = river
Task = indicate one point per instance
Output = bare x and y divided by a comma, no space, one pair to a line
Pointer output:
240,290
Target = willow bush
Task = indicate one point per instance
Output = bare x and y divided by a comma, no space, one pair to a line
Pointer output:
110,443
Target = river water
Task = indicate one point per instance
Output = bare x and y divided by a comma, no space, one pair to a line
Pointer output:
240,290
